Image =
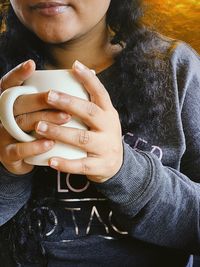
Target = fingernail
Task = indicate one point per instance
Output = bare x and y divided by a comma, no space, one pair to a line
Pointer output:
48,143
93,71
79,66
42,127
64,115
25,65
52,96
53,163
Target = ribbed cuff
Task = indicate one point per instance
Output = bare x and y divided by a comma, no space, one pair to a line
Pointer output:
132,181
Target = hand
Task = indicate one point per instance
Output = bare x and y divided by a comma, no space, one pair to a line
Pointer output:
12,153
103,140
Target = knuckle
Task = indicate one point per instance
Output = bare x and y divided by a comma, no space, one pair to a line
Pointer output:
83,137
91,109
102,91
14,151
19,151
84,167
22,121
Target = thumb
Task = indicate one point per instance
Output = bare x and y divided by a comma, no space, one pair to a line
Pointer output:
17,75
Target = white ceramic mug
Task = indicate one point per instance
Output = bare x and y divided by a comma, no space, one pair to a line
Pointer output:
41,81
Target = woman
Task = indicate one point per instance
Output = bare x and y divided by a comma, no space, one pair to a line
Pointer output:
134,201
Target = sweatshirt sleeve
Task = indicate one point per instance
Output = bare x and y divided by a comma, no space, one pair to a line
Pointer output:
156,203
15,191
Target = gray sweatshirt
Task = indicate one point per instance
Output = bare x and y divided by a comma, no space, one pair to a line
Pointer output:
155,196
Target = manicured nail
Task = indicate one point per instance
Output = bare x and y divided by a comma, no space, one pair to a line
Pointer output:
93,71
79,66
25,65
64,116
53,163
53,96
49,143
42,127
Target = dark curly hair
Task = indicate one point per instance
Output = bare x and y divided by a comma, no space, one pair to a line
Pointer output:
136,79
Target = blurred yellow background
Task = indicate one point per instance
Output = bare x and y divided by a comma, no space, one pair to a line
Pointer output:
177,19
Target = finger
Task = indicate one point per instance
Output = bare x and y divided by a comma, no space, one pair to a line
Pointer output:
27,121
85,166
38,102
89,112
92,84
83,139
19,151
17,75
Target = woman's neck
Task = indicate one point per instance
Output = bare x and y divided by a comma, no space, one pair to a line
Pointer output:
93,49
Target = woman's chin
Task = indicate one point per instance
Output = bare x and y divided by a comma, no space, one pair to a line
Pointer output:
53,39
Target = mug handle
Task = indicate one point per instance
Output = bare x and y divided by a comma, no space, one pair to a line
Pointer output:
7,118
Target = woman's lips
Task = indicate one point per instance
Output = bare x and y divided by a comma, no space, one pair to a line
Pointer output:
50,8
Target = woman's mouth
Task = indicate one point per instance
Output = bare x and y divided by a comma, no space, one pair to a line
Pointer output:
50,8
